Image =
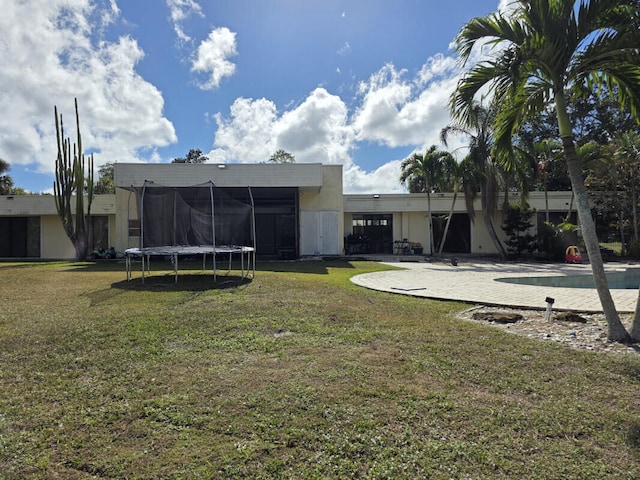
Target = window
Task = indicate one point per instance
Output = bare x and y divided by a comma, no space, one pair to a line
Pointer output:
134,228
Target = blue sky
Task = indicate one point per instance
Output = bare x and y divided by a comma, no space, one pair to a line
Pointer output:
362,83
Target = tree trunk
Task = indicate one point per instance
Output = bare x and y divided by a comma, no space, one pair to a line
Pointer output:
488,222
446,226
634,209
573,195
81,246
616,331
635,325
430,221
546,200
621,225
492,233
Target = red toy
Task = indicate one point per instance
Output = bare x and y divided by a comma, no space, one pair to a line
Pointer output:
572,255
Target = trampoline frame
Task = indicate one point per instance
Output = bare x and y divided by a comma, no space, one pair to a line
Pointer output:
247,258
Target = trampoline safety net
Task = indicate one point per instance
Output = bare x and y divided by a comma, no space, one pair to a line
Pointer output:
193,216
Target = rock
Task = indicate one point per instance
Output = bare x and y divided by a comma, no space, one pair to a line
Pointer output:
591,335
570,317
497,317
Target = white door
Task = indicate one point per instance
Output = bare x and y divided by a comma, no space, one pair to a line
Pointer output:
319,233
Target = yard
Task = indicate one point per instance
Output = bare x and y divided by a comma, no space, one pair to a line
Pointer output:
296,374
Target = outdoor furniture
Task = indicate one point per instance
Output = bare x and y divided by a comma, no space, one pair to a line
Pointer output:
356,244
402,247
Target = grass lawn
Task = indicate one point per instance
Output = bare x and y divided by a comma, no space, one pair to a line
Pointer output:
296,374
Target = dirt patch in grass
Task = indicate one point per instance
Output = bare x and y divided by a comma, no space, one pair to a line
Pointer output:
590,334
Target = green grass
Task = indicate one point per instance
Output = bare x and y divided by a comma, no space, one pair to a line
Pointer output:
296,374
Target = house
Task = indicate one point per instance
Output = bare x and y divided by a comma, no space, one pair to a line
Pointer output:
300,210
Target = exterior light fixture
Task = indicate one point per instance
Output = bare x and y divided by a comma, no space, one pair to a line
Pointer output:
222,166
376,195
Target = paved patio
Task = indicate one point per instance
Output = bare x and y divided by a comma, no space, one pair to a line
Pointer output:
475,282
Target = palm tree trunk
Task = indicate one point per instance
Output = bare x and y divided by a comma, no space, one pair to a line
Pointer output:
635,325
492,233
616,330
573,195
446,226
488,222
546,200
634,209
430,221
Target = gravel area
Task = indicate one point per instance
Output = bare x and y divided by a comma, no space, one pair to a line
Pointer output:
591,335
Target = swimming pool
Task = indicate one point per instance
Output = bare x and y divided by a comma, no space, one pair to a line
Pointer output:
628,279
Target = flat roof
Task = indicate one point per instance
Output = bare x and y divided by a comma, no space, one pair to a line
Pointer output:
304,175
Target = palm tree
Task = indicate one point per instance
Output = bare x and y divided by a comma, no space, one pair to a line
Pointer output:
454,182
482,173
548,50
426,173
6,182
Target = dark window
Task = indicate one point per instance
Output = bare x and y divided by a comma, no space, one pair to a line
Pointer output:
373,231
100,231
20,237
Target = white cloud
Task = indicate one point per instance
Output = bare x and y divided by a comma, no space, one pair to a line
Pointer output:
344,50
314,131
212,56
396,112
179,11
49,58
393,110
384,179
247,136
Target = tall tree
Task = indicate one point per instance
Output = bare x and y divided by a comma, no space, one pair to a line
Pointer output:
282,156
482,173
613,183
74,177
6,182
105,183
427,173
194,155
549,50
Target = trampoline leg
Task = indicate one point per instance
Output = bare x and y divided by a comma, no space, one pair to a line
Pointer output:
175,267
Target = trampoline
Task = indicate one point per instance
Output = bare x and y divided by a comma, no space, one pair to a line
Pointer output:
189,221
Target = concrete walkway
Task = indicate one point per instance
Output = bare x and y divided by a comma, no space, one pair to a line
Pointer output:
475,282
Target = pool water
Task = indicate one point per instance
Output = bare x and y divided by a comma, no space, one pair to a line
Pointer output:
628,279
